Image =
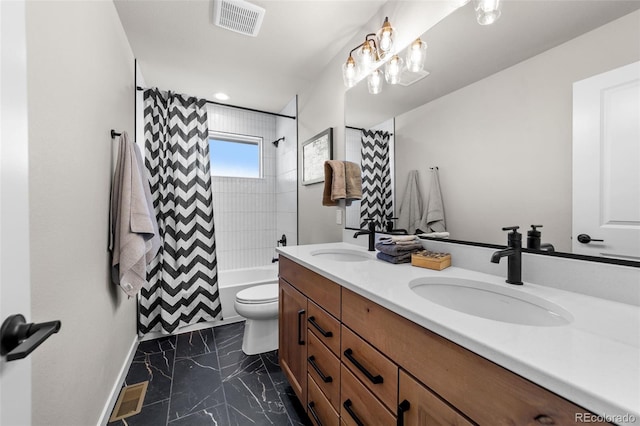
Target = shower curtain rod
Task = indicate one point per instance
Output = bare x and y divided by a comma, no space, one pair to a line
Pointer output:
362,130
239,107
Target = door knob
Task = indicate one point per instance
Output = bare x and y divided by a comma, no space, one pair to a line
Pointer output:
18,339
586,239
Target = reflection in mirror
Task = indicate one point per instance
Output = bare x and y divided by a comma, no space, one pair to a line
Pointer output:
496,115
373,149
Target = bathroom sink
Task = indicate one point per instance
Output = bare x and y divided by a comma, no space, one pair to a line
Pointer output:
490,301
342,255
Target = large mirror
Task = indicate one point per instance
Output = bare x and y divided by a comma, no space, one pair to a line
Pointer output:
496,117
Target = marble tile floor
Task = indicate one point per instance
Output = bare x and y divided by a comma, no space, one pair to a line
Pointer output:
204,378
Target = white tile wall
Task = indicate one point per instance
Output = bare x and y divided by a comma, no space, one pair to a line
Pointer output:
287,175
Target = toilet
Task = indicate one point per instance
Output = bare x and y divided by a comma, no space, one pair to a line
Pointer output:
259,305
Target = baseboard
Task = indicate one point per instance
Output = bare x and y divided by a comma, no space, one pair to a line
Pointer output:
115,391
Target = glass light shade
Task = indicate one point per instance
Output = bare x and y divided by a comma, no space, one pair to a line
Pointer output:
349,72
374,82
365,56
385,36
416,55
393,69
487,11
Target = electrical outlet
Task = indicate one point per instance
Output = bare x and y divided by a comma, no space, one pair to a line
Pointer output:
338,217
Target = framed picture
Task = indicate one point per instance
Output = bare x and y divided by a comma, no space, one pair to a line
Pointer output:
315,152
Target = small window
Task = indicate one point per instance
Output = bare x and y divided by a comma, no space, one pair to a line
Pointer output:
235,155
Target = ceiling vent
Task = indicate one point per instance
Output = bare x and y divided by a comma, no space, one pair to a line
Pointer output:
408,78
239,16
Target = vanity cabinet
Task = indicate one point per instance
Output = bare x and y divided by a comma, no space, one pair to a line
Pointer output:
354,362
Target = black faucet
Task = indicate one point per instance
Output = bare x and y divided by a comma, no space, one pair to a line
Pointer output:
513,253
534,240
391,230
371,232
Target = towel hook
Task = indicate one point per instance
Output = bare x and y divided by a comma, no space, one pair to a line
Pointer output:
114,134
434,168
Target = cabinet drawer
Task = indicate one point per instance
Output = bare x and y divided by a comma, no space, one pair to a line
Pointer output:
321,290
420,407
485,392
357,401
319,409
376,371
324,367
325,327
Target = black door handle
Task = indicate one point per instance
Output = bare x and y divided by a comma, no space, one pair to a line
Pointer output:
586,239
300,315
403,407
376,380
347,406
311,406
18,339
312,321
312,361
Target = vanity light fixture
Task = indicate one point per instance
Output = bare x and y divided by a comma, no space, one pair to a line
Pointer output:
393,69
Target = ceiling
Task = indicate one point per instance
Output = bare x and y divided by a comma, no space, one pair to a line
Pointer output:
178,48
462,52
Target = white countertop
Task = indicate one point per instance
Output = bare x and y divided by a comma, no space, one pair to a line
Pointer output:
594,361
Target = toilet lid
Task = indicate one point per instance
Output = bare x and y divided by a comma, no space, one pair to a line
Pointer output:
258,294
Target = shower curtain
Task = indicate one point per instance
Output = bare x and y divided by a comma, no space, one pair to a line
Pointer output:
183,278
377,199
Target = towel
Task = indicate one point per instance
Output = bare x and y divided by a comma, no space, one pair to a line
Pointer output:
410,211
405,258
134,235
334,183
399,249
436,235
398,238
433,215
353,181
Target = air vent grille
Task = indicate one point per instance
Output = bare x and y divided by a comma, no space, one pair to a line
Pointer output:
239,16
130,401
408,78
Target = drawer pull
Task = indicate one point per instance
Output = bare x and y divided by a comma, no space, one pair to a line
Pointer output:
312,361
347,406
300,315
376,380
313,413
403,407
312,321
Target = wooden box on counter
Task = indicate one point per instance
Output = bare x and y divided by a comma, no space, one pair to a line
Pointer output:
431,260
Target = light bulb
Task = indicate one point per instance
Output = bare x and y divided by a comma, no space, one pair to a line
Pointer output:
416,55
365,56
374,82
487,11
349,72
393,70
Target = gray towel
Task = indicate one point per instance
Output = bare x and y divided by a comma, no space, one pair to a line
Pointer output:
405,258
433,215
398,249
134,231
410,211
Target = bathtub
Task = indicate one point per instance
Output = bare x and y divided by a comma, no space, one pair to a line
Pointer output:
232,281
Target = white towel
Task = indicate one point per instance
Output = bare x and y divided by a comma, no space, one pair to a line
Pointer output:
410,211
389,239
134,230
436,234
433,215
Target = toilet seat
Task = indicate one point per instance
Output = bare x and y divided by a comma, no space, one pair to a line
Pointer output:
258,294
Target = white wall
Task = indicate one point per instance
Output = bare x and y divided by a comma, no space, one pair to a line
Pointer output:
503,144
245,208
287,175
80,85
321,105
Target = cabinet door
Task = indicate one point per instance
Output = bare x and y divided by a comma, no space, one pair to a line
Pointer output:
292,338
418,406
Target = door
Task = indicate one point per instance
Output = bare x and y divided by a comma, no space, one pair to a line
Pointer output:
606,164
292,348
15,376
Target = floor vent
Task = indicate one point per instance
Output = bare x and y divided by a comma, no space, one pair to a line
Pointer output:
409,78
239,16
130,401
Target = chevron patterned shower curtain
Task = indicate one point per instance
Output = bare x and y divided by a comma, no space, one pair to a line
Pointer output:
377,198
183,278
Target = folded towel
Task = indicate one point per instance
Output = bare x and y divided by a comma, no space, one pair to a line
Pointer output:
436,234
399,249
334,183
399,238
405,258
353,181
